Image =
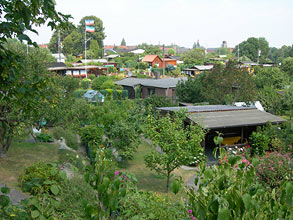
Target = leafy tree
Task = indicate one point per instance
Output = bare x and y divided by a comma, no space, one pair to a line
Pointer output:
53,44
228,84
123,42
98,35
171,52
180,144
154,101
141,65
287,66
73,43
251,46
98,81
270,99
287,102
195,56
109,84
191,90
24,80
94,51
271,77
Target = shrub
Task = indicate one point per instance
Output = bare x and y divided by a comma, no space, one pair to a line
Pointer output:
68,135
273,168
124,94
91,134
147,205
74,159
258,143
85,83
98,81
79,93
40,177
41,137
109,84
72,197
92,77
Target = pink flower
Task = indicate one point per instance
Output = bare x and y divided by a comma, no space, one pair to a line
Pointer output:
116,172
193,218
244,161
190,211
248,146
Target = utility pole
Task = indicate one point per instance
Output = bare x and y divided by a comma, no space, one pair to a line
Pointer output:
59,46
238,53
163,59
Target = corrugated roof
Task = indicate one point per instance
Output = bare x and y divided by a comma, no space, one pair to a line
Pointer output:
158,83
149,58
206,108
224,119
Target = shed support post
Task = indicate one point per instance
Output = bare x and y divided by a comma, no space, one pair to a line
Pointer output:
242,128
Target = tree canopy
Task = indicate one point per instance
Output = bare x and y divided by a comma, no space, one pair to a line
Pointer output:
195,56
123,42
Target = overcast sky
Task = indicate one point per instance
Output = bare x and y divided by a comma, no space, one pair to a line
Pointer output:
184,21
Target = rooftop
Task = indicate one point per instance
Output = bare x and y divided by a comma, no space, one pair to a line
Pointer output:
149,58
158,83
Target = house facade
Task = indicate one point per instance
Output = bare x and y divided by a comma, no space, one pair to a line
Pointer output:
153,61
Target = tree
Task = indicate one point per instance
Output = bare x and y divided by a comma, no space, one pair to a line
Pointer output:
180,144
270,77
226,85
141,65
287,66
171,52
53,44
123,43
94,51
98,81
190,90
195,56
73,44
24,81
251,46
98,35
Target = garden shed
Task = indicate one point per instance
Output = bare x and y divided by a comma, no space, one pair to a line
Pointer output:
94,96
235,123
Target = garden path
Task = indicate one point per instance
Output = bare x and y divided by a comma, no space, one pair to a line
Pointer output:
15,195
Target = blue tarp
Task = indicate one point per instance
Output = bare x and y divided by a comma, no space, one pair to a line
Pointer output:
94,95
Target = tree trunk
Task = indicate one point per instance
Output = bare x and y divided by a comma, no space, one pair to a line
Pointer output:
5,138
168,181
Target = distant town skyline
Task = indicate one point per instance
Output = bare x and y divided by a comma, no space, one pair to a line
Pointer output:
183,22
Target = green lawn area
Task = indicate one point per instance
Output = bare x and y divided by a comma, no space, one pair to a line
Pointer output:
22,155
147,179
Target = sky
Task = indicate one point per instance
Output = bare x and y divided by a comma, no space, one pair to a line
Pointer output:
183,22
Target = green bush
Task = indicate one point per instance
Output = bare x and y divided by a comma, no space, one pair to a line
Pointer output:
258,143
40,177
41,137
74,159
124,94
98,81
274,168
92,77
79,93
103,92
109,84
148,206
91,134
74,193
85,83
68,135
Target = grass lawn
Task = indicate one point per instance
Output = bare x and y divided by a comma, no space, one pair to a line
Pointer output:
22,155
147,179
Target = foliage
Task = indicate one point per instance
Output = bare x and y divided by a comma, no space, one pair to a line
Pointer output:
273,168
141,65
227,85
92,135
171,52
195,56
42,137
287,66
95,51
123,42
112,69
190,90
64,32
154,101
85,83
231,191
149,206
79,93
23,92
271,77
109,84
68,135
75,192
98,81
180,144
41,178
270,99
110,186
258,143
251,46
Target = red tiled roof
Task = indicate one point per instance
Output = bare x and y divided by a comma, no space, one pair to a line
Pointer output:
149,58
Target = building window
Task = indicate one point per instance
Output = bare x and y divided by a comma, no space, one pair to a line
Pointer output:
151,91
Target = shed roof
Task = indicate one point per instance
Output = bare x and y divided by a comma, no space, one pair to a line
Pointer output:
158,83
224,116
240,118
150,58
